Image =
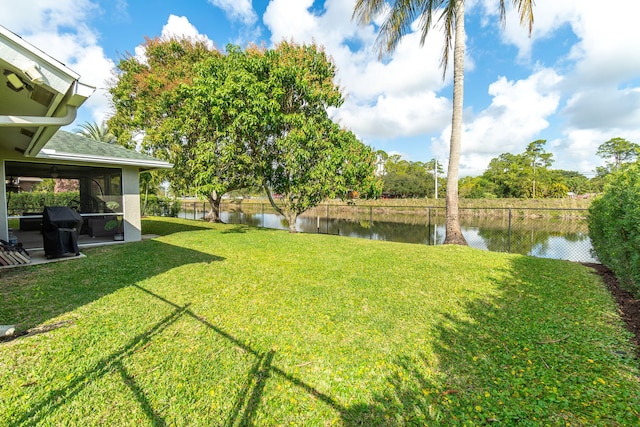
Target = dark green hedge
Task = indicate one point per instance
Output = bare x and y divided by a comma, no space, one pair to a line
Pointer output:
614,226
19,203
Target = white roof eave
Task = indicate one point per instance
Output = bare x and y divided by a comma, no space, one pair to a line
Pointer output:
56,76
73,157
40,55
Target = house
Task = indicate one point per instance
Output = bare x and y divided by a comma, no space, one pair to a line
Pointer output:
38,96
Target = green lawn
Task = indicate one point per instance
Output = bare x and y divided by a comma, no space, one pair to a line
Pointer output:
221,325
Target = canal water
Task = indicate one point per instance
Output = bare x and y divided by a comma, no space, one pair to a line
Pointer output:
559,237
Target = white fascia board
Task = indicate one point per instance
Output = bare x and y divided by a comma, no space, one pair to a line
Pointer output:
54,155
25,46
70,92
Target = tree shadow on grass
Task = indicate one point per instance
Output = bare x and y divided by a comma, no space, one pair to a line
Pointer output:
250,394
247,400
36,294
539,352
112,362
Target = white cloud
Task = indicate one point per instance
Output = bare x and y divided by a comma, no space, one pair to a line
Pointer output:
237,10
180,27
519,111
177,27
604,107
548,17
384,99
396,116
40,16
608,52
581,145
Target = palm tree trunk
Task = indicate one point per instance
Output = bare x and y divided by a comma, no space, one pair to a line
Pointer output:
453,232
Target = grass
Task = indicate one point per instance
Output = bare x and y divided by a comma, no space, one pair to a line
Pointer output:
228,326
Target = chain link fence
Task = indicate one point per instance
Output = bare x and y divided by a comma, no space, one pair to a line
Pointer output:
547,233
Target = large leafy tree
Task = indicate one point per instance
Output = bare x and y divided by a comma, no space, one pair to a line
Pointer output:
177,97
450,14
526,175
504,174
244,118
540,160
303,156
618,151
404,178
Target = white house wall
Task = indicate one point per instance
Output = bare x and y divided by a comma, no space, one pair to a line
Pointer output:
4,217
131,201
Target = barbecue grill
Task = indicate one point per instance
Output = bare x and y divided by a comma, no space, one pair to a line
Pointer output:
60,226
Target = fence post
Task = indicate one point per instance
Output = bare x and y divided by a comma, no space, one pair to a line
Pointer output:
327,218
370,222
509,234
428,226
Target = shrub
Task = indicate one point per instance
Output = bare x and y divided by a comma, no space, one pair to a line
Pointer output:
161,206
614,226
19,203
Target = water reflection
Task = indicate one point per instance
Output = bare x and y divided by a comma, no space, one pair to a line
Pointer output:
541,237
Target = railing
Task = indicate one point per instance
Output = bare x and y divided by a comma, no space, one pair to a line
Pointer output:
541,232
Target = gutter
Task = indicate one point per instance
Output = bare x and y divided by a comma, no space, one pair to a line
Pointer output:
60,156
31,121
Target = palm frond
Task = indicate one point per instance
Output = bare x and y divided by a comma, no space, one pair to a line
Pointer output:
525,10
99,132
448,20
365,11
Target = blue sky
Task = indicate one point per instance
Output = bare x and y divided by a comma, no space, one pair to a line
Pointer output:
575,82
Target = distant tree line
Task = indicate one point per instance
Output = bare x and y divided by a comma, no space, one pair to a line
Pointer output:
524,175
406,179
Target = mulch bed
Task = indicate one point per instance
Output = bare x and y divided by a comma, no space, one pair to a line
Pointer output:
628,305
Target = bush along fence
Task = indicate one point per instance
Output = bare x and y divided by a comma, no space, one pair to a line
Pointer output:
548,233
614,225
159,206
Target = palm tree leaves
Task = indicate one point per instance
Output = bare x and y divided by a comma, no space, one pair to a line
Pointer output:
400,14
98,132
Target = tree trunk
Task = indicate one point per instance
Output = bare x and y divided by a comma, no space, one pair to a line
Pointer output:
214,212
291,219
453,231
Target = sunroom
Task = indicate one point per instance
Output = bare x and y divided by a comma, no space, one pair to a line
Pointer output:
38,96
96,179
